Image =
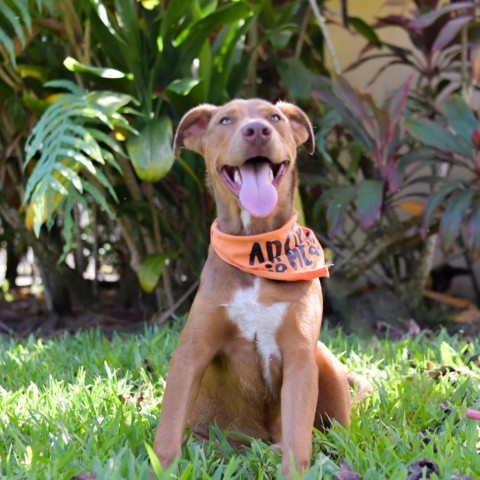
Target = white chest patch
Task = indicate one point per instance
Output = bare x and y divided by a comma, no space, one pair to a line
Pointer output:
258,322
246,219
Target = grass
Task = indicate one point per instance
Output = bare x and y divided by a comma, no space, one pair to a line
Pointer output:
85,403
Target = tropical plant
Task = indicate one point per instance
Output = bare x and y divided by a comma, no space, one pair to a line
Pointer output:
29,54
85,157
83,154
437,56
455,201
366,157
69,145
375,169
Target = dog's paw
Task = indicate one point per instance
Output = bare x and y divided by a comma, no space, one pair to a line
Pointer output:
277,446
361,386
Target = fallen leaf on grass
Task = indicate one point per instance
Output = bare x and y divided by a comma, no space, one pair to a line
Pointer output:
346,473
149,366
414,329
388,331
137,399
422,466
437,373
452,301
84,476
467,316
427,440
475,359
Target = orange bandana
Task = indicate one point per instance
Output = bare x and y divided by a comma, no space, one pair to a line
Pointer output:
290,253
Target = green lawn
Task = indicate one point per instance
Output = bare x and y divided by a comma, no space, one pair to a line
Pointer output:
86,403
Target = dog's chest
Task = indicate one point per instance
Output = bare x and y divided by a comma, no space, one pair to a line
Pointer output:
258,323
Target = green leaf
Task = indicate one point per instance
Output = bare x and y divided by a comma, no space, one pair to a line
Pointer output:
7,43
447,354
125,10
434,202
98,197
353,114
365,30
436,136
452,217
200,31
460,117
183,86
75,66
337,201
369,201
280,37
473,230
175,11
111,102
66,84
70,175
68,228
329,121
14,21
66,145
296,76
24,8
230,60
109,141
34,104
151,151
151,269
154,462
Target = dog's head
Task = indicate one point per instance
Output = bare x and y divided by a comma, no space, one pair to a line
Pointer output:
250,149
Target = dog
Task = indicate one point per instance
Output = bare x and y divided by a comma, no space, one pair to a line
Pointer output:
249,359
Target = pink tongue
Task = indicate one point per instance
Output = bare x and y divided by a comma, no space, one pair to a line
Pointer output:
258,196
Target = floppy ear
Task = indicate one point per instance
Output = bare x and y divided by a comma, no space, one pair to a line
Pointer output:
300,124
191,130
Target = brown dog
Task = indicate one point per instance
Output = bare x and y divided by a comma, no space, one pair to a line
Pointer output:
248,359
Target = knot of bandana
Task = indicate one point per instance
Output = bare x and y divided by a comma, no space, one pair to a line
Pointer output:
290,253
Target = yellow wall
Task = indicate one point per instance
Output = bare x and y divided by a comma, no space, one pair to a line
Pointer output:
348,46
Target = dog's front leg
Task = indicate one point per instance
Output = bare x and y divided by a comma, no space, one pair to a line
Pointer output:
298,401
183,384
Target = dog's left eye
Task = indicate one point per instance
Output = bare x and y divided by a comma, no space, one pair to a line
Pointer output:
275,117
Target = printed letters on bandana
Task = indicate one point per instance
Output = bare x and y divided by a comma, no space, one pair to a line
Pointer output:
290,253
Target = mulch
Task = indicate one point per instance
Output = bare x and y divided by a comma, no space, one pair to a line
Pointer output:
27,315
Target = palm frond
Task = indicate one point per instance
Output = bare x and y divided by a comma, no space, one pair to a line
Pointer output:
16,19
71,147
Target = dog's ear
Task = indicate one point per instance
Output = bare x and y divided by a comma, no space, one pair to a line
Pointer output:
301,126
191,130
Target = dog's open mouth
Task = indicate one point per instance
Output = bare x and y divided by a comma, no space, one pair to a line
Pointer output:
255,182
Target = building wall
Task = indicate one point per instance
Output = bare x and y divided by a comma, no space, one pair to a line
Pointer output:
348,46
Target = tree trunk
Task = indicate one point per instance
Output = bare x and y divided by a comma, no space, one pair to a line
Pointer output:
61,282
12,264
56,294
47,252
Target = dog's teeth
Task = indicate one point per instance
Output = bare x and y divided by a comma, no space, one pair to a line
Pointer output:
237,178
270,175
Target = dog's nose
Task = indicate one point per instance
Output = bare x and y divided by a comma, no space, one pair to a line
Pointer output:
257,132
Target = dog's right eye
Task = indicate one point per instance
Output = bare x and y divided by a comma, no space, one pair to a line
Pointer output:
225,121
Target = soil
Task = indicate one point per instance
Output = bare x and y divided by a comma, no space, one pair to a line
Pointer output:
27,315
373,313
